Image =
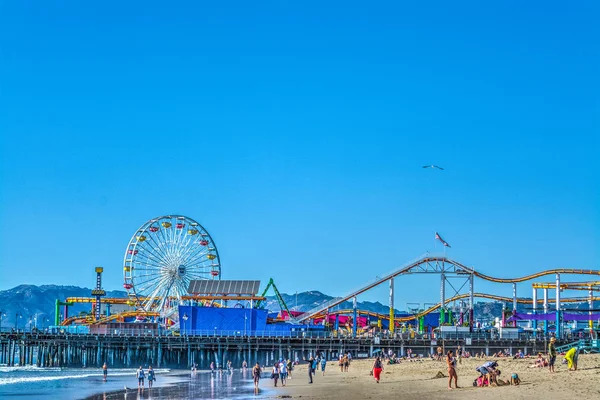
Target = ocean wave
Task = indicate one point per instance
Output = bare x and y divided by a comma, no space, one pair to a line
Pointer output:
98,373
29,368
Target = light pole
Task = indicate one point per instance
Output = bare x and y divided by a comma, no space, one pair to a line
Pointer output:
185,318
17,316
2,314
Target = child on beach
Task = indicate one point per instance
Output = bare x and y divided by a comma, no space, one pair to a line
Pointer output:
514,379
104,371
551,354
323,365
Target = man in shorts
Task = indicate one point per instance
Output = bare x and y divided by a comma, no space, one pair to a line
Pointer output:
105,371
140,376
551,354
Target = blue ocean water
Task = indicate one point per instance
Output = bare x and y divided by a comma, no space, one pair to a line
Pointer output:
79,383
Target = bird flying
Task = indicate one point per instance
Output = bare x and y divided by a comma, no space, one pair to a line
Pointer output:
433,166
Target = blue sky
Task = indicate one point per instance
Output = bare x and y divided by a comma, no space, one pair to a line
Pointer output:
295,133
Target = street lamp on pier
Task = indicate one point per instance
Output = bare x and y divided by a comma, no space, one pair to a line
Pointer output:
2,315
185,318
17,316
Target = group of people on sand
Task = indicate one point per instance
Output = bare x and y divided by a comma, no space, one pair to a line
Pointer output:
281,371
344,361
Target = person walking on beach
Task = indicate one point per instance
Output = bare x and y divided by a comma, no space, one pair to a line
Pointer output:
439,353
551,354
275,373
341,363
140,376
256,376
310,370
283,373
451,362
244,365
377,368
323,365
105,371
459,352
290,367
151,377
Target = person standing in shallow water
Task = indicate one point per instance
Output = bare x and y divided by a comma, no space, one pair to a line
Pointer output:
150,376
105,371
140,376
256,376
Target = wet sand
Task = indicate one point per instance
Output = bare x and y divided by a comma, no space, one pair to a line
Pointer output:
416,380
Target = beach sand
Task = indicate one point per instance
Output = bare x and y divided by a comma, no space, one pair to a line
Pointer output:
415,380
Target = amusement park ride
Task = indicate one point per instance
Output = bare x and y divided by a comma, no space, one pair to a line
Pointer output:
168,253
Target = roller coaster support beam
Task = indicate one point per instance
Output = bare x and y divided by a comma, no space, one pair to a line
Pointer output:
558,319
392,325
590,304
354,319
546,311
514,298
57,305
534,322
442,297
471,302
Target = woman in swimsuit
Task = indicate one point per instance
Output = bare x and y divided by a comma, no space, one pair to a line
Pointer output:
451,362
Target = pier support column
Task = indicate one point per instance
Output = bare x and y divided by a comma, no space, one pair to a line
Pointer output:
534,306
355,316
545,311
392,324
558,319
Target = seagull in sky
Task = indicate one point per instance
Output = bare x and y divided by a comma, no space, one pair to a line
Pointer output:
433,166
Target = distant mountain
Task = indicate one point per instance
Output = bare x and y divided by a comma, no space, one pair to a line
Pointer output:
32,301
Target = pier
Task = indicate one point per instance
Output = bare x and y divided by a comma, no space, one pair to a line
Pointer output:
91,351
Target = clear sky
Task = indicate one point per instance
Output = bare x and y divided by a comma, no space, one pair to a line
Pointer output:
295,133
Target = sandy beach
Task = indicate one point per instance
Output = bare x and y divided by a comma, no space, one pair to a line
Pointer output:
416,380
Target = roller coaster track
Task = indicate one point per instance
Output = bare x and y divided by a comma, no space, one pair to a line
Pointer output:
449,300
125,315
436,265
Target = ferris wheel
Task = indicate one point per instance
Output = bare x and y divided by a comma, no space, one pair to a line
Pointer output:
163,256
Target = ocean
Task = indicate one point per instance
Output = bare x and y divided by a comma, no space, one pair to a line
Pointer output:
86,383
